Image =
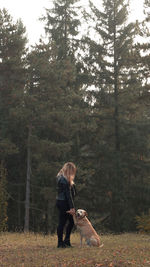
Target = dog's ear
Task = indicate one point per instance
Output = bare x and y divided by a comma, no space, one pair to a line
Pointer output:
86,214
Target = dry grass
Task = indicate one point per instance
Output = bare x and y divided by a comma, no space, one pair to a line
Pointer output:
30,250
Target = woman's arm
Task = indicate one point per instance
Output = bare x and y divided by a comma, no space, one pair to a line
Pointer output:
68,196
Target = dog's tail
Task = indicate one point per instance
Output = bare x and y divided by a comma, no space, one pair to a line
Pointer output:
96,242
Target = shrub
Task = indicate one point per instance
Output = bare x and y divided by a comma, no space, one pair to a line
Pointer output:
143,222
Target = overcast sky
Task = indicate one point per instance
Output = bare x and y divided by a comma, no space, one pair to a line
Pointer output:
30,11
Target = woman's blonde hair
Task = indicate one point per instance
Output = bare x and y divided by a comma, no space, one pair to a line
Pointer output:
68,170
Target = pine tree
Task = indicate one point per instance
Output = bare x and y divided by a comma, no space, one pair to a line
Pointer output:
110,61
54,87
12,84
61,26
48,141
145,49
143,64
42,113
11,74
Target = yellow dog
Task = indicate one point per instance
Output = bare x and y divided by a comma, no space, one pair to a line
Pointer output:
86,229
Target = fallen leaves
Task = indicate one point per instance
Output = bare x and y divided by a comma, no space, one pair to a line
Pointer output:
36,250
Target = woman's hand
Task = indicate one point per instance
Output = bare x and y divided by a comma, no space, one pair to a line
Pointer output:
71,211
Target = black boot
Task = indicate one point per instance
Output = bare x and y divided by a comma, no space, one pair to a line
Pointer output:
67,243
61,244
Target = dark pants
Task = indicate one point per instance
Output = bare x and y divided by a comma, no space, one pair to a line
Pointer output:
63,219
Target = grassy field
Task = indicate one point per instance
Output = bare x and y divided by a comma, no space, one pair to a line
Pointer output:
25,250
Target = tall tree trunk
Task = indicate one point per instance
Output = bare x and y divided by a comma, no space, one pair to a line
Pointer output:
19,208
27,201
65,41
116,113
117,181
116,116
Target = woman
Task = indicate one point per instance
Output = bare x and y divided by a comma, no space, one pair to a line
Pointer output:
65,202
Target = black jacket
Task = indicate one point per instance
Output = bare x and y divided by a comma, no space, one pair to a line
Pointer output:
65,191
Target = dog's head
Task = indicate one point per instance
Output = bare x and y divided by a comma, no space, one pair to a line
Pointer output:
81,213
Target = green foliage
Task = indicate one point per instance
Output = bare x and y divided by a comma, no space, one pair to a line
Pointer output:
143,222
12,84
62,26
112,71
3,199
105,131
52,106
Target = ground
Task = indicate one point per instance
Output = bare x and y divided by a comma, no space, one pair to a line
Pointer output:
34,250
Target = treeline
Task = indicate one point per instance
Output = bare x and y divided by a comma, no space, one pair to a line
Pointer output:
82,96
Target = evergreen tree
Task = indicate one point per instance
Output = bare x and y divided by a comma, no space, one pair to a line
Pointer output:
45,110
143,64
11,68
145,49
47,137
12,83
110,61
62,26
55,86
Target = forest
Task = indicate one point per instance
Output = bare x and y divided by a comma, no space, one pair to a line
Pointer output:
81,94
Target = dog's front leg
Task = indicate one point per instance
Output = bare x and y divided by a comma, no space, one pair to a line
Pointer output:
75,219
81,238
